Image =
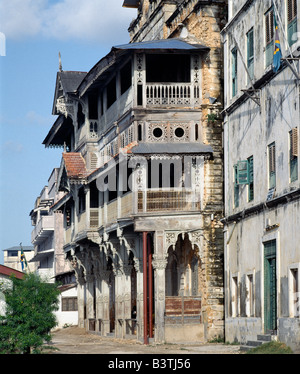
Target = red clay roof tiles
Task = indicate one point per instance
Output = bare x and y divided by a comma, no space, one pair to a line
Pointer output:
75,165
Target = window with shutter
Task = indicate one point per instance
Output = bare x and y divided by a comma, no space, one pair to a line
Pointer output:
236,188
250,53
250,179
292,21
272,165
269,36
243,172
294,154
234,71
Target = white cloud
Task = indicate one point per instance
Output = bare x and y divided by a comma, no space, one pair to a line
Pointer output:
11,147
89,20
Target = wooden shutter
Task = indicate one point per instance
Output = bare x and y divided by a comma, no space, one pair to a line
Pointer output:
269,20
234,71
294,142
93,161
291,10
250,169
243,172
272,162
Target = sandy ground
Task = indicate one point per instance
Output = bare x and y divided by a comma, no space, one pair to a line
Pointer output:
74,340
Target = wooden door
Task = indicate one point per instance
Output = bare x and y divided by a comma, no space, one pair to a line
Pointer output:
270,287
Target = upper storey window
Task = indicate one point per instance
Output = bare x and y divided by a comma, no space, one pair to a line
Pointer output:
269,36
292,21
168,68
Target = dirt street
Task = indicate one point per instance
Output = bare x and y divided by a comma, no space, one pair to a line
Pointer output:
74,340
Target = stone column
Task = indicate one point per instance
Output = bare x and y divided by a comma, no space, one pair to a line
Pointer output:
127,295
80,299
90,313
159,265
119,299
105,328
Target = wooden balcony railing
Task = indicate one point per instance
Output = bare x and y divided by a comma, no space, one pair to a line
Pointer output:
159,200
175,94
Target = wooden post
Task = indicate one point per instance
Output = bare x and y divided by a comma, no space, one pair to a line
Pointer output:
150,287
145,286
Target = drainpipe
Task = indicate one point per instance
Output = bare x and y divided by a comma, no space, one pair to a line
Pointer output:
150,287
145,286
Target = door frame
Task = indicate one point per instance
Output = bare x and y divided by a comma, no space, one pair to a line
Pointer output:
270,316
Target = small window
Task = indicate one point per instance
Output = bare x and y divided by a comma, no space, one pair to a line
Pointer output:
126,79
69,304
272,165
111,92
250,296
157,132
93,106
13,253
140,136
80,116
179,132
292,21
250,53
234,296
234,71
236,190
294,293
269,36
250,179
294,154
81,198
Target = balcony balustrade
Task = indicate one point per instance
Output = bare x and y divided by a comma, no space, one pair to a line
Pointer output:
42,230
172,94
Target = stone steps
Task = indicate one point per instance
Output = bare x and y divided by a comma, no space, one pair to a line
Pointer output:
261,339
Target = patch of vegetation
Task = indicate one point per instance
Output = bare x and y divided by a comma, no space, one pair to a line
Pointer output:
271,348
217,339
30,306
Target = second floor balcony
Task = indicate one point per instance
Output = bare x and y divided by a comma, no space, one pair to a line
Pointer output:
43,229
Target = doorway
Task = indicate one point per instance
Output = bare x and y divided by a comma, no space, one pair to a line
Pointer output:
270,287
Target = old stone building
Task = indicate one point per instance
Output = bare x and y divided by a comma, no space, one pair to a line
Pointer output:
262,190
142,176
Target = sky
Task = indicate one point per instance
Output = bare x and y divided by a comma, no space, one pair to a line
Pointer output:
32,33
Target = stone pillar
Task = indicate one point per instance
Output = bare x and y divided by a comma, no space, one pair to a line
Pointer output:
139,297
119,299
159,265
90,313
99,300
105,322
127,295
80,300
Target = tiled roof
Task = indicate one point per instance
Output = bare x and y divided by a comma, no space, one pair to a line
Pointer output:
6,271
70,80
75,165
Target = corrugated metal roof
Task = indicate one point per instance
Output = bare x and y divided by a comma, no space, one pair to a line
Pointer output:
163,44
171,148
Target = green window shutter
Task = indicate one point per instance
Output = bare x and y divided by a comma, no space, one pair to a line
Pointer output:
234,71
250,179
243,172
294,154
236,188
272,165
250,52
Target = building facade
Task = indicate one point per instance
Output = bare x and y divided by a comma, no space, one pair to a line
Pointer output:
142,177
49,259
262,188
12,256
